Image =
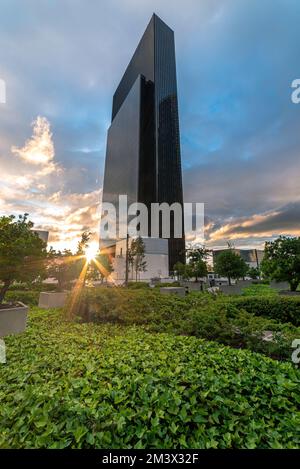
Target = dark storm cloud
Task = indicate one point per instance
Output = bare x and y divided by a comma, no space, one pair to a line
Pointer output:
285,219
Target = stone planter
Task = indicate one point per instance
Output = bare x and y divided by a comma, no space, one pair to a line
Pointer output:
234,289
52,299
13,319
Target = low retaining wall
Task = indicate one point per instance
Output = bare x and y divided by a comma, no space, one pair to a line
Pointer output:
180,291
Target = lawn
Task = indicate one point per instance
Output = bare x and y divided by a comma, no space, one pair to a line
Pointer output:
112,386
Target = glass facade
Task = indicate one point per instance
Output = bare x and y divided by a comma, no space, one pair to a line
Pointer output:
142,63
143,145
121,173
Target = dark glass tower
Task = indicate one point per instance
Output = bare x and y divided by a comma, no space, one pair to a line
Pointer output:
143,144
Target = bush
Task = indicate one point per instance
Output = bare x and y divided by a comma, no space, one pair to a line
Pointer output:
145,285
126,306
29,298
196,314
138,285
227,324
259,290
38,286
283,309
168,284
68,385
263,281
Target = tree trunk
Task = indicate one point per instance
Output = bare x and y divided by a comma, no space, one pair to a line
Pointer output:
229,280
4,290
293,285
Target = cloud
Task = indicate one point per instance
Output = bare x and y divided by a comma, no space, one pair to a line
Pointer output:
68,215
40,191
257,229
39,149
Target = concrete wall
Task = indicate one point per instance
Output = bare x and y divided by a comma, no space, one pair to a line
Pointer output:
279,285
236,289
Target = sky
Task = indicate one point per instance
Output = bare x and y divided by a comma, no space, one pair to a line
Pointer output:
62,60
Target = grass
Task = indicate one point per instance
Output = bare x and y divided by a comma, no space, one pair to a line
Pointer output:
110,386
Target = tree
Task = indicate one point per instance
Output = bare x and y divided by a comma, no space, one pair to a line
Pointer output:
197,260
83,243
136,256
195,254
130,259
63,266
199,269
281,261
187,272
22,252
229,264
100,267
253,273
179,269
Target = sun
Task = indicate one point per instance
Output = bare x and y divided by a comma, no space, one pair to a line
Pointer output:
91,252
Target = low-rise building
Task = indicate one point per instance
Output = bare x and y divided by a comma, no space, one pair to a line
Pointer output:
156,258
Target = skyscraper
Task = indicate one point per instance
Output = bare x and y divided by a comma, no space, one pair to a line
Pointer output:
143,144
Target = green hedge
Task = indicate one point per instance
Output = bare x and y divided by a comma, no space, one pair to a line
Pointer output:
126,306
281,308
168,284
259,290
30,298
197,314
145,285
138,285
68,385
33,287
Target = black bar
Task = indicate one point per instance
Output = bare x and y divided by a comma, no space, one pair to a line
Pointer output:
140,458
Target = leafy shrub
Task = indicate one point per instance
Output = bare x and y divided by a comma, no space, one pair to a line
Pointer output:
38,286
196,314
263,281
126,306
259,290
283,309
69,385
145,285
227,324
138,285
168,284
30,298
